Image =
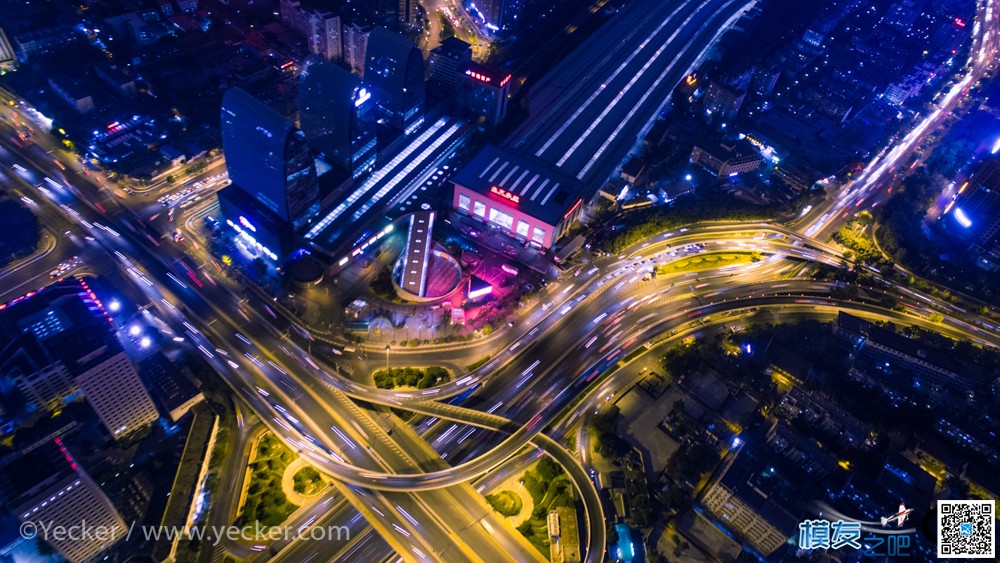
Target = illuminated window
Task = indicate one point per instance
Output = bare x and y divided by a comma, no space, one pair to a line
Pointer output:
503,219
538,236
479,208
463,202
522,229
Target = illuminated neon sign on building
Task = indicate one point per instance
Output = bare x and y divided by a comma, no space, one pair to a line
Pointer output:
505,194
487,79
247,224
363,96
478,76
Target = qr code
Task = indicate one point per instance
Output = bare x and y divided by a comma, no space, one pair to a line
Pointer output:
966,528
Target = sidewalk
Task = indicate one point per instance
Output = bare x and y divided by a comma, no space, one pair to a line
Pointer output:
504,246
288,484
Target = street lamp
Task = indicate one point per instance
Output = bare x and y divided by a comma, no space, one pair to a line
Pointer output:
114,306
387,360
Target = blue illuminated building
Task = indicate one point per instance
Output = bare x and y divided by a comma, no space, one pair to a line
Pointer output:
337,115
258,229
394,67
274,191
269,158
974,216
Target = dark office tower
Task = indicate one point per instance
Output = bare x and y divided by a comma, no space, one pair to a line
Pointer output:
443,64
394,67
337,116
484,91
269,158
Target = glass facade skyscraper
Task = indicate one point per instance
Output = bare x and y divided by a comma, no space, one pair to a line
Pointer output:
269,158
336,113
394,67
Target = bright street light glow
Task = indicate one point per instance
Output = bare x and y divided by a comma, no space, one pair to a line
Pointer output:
145,342
134,330
114,306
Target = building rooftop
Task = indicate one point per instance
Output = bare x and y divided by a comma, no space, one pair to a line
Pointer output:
907,480
168,386
33,470
453,46
63,321
755,484
729,151
912,348
586,114
387,58
525,183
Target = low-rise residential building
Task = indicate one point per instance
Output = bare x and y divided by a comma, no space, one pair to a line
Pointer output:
741,500
727,158
564,536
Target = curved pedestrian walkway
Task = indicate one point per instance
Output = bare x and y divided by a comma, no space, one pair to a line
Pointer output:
514,485
288,484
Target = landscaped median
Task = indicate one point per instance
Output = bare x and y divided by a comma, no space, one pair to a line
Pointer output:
308,481
709,261
506,503
420,378
265,500
550,488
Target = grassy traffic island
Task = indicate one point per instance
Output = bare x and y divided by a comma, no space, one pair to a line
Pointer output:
421,378
709,261
550,488
308,481
507,503
265,501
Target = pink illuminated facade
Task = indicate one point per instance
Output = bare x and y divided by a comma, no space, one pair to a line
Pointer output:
518,196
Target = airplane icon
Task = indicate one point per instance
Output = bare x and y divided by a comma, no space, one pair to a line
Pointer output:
900,516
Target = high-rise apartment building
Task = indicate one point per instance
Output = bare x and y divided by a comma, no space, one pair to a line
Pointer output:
111,384
42,484
321,28
722,101
355,35
325,35
401,10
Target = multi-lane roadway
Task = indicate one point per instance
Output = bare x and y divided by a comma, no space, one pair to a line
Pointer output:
597,317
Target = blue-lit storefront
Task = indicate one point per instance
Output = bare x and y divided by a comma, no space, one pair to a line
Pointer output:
257,229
